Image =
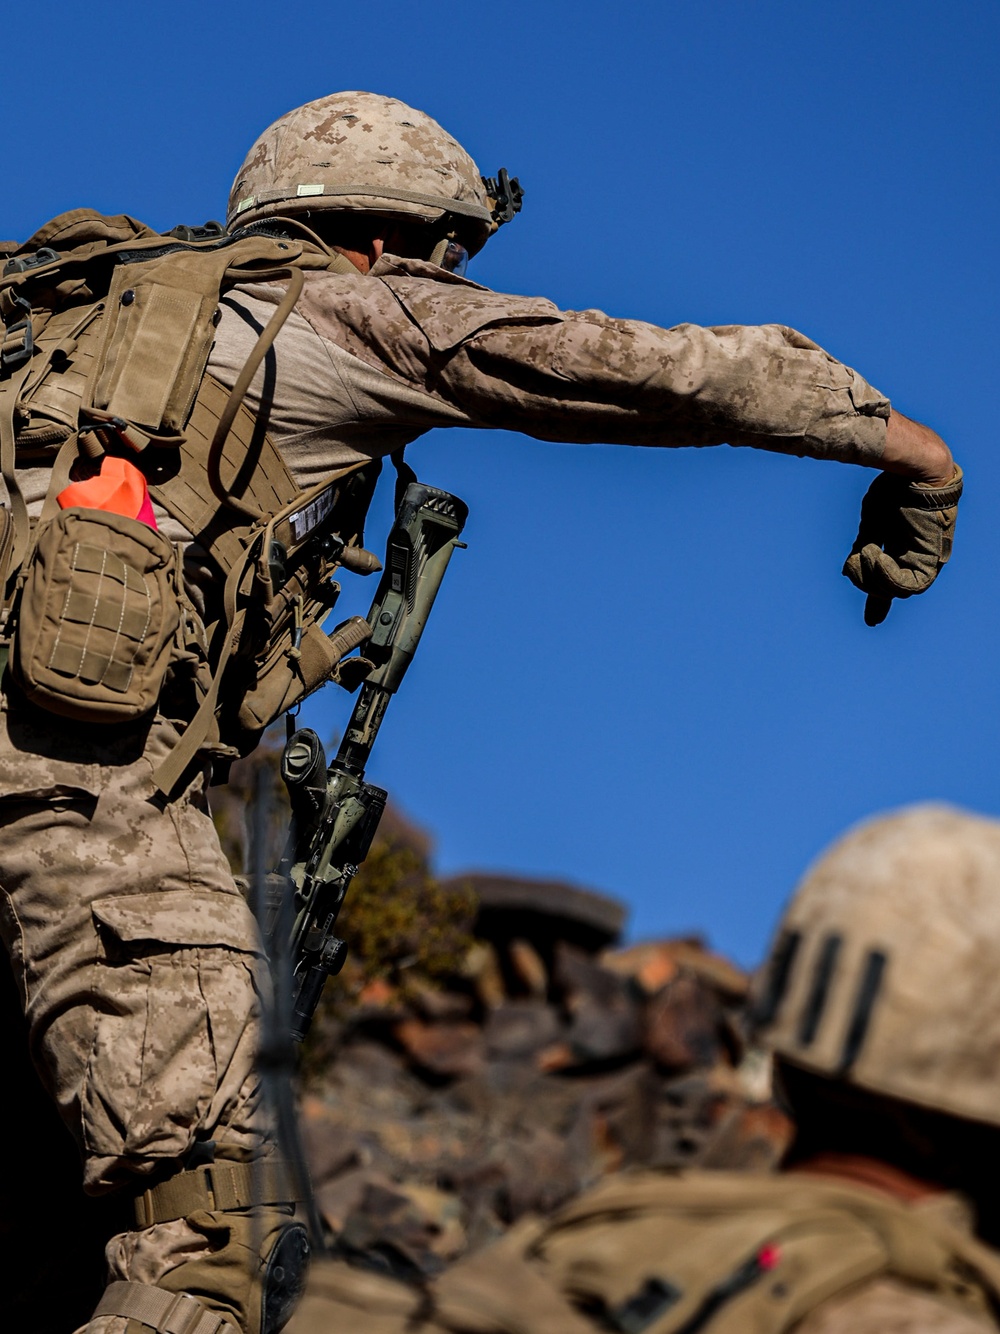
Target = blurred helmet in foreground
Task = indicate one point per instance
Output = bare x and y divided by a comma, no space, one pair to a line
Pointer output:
885,971
365,154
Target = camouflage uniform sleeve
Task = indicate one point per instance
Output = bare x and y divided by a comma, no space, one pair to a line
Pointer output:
890,1307
581,376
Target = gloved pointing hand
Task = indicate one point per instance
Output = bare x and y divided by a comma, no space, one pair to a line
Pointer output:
905,537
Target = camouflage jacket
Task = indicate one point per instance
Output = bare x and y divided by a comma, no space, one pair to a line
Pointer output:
368,363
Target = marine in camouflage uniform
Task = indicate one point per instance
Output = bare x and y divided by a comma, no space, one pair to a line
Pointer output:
880,1001
135,954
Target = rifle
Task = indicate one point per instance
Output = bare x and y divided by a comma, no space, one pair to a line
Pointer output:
335,813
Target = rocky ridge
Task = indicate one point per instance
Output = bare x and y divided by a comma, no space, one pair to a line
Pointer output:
441,1113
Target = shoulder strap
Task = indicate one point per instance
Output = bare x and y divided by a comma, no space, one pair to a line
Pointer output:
224,426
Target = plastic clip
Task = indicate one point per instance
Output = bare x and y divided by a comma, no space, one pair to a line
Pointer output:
209,231
19,339
22,263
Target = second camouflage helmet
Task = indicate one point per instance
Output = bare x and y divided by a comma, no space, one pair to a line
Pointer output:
363,153
885,971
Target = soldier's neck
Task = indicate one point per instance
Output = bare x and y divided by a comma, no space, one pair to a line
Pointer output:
363,260
870,1172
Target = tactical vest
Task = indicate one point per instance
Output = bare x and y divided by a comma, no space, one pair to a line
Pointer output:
108,330
702,1253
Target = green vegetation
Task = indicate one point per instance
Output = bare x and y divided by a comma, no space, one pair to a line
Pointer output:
401,923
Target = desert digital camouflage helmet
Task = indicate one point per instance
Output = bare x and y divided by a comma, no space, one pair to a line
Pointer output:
885,971
362,153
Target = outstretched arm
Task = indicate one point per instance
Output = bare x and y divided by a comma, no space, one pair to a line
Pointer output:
469,356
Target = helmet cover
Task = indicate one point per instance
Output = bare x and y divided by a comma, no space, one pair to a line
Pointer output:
885,970
362,153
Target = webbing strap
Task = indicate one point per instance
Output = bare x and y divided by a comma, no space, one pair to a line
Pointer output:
221,1185
260,349
169,772
68,454
9,395
165,1312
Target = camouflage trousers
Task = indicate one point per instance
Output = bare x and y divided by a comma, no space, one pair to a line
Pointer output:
136,957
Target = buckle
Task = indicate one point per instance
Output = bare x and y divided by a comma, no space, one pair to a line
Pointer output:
209,231
186,1315
43,255
124,431
19,340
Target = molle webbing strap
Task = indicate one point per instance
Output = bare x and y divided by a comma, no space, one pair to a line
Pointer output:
65,357
227,632
9,395
217,1186
165,1312
249,464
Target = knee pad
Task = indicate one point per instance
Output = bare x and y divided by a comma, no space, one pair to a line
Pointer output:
285,1269
252,1270
254,1267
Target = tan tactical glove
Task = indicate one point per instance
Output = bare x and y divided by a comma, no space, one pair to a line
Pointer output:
905,537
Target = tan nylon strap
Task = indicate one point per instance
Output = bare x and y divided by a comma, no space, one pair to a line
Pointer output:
221,1185
296,279
165,1312
68,454
9,395
169,772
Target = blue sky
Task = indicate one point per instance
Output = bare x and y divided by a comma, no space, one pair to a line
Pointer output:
646,674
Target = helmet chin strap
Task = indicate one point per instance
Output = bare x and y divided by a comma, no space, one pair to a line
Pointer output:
439,251
451,255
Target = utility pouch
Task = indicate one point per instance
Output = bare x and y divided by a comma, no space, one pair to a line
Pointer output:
159,323
285,677
156,341
98,617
